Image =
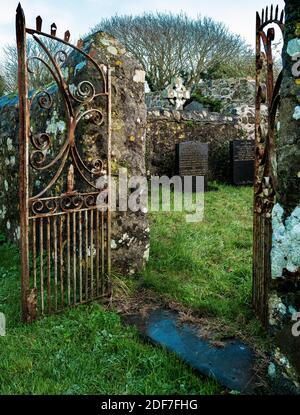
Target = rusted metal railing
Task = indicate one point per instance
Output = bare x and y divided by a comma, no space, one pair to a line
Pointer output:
265,170
65,238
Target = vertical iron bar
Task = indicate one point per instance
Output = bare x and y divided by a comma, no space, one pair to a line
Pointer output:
109,179
68,259
97,252
48,265
102,253
80,255
42,263
92,250
24,121
61,261
55,259
74,259
86,257
34,251
256,215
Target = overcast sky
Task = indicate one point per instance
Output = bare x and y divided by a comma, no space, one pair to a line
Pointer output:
80,15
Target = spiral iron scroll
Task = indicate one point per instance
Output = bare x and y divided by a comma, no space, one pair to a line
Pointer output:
64,203
75,102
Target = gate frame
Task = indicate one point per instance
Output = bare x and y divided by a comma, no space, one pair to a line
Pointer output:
265,180
28,296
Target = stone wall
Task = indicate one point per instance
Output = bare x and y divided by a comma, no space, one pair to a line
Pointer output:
237,97
166,128
130,231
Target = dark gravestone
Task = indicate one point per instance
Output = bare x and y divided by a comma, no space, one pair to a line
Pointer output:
242,154
231,362
192,160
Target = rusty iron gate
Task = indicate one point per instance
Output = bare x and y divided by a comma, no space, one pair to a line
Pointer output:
265,164
65,234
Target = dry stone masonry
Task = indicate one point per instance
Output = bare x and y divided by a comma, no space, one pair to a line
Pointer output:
167,128
170,123
237,98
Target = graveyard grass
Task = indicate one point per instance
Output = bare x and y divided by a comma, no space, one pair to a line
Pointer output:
87,350
206,265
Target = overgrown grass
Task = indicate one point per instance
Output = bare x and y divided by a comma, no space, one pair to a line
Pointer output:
87,350
84,351
207,265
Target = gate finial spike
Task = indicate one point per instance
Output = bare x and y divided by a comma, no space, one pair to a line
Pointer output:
276,12
19,7
79,43
67,36
39,22
53,29
271,13
281,16
257,20
263,15
20,24
20,11
92,52
267,13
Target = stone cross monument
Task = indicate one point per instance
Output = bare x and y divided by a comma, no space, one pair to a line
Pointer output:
177,93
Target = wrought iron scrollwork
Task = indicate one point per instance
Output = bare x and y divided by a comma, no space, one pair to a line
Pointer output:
65,203
265,175
76,100
65,238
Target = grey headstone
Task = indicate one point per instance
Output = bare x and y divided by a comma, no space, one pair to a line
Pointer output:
242,154
192,160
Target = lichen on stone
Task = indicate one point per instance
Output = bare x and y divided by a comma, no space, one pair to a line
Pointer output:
286,365
285,252
112,50
55,125
293,47
139,76
296,114
277,310
9,144
113,244
272,370
146,254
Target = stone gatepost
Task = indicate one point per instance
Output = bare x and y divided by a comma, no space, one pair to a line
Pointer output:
284,302
130,231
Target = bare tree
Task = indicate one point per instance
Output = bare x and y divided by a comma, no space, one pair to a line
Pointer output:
39,75
170,45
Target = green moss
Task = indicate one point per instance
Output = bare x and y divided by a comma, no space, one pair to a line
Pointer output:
190,123
214,105
114,166
125,164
